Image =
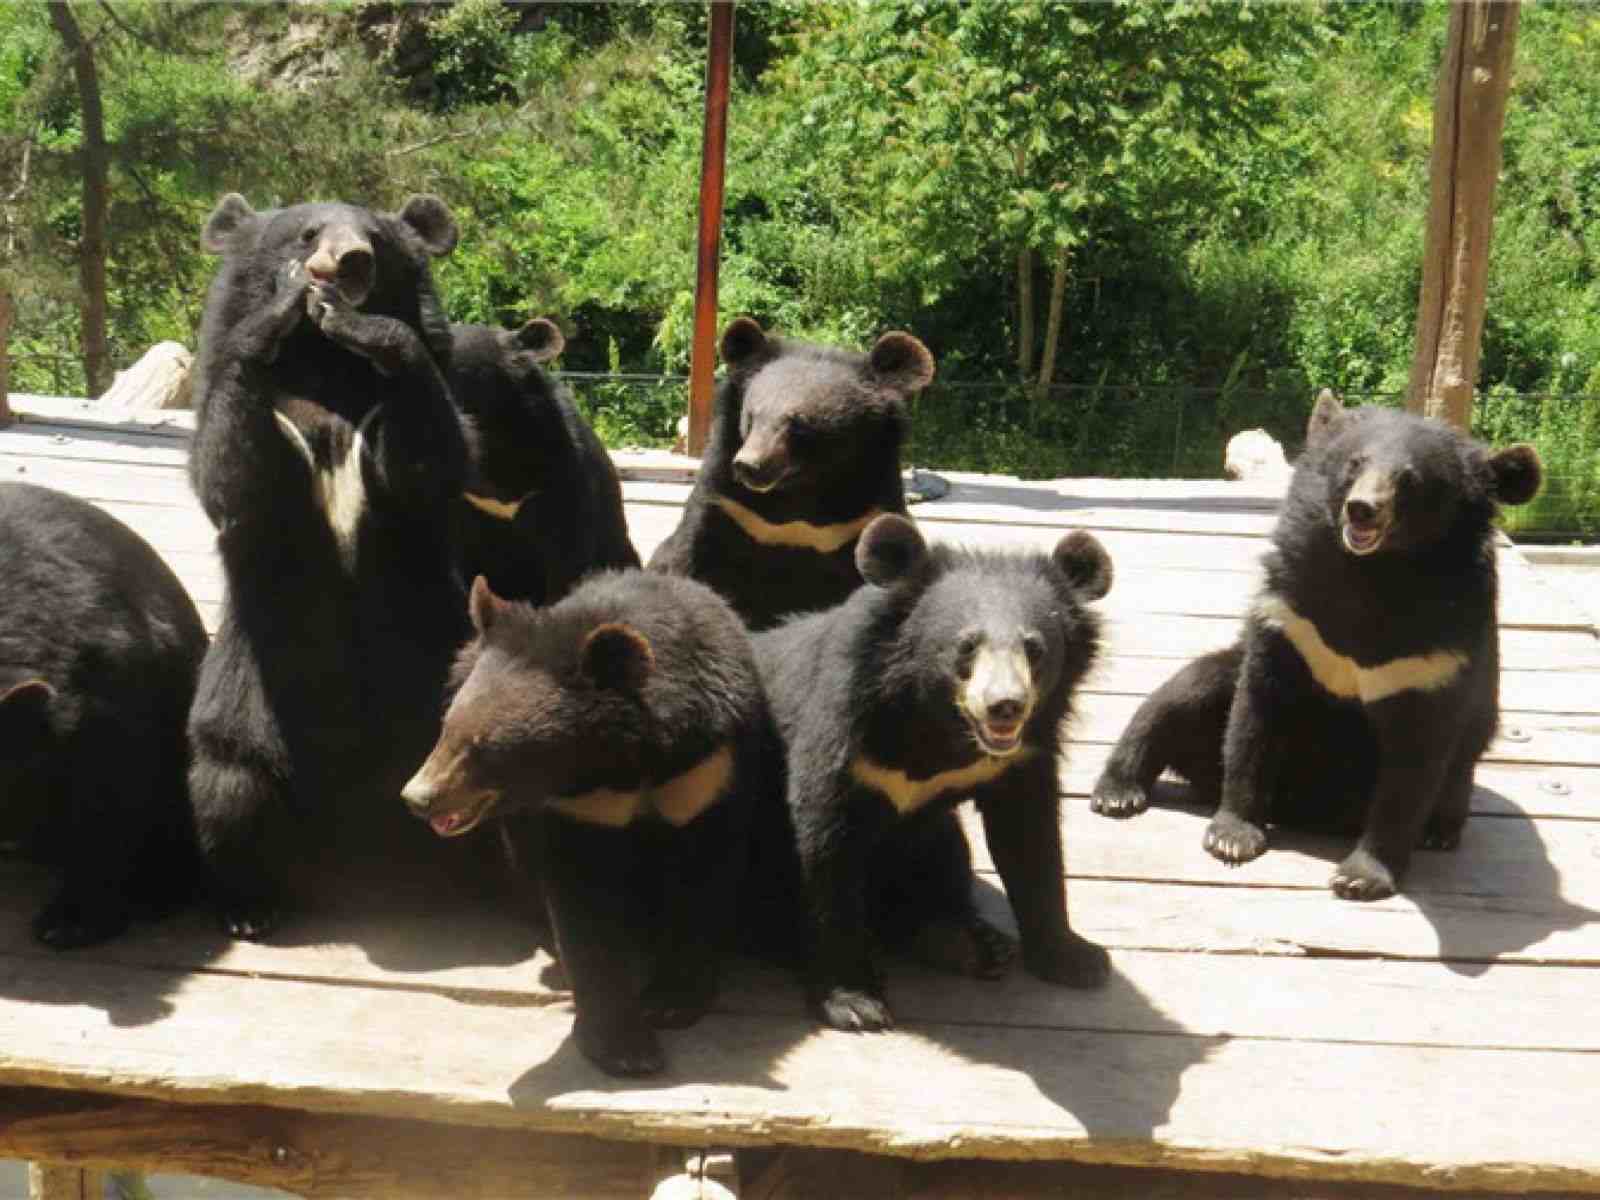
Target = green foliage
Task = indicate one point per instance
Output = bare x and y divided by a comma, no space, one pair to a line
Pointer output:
1241,188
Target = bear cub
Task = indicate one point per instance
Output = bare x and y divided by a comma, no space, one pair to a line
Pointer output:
804,451
1365,684
329,456
948,678
628,722
99,646
543,504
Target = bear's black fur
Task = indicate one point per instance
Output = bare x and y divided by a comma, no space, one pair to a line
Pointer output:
627,722
99,646
330,458
543,505
804,450
948,678
1365,684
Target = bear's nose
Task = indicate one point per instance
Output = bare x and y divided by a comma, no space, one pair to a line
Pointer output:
1360,512
1004,712
418,795
758,477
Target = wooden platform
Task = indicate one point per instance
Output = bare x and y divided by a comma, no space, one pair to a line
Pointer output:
1448,1039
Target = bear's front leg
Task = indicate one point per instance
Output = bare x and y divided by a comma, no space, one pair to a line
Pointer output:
589,884
844,985
1252,750
1416,741
704,867
258,336
1022,822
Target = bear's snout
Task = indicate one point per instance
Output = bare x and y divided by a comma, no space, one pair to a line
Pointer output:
344,258
1368,511
759,473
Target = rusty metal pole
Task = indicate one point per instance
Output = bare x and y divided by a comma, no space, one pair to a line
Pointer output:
713,158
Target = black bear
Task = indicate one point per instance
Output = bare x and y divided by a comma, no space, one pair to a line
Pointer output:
946,679
99,646
543,505
627,721
804,451
329,456
1365,684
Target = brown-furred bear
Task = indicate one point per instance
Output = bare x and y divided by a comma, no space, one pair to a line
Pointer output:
329,456
543,505
99,647
804,451
1365,684
626,723
947,679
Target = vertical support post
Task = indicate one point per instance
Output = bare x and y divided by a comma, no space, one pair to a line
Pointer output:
1469,110
46,1182
8,311
713,159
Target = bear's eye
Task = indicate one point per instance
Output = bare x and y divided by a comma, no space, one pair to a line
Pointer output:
1407,478
1356,465
966,652
800,430
308,235
1033,646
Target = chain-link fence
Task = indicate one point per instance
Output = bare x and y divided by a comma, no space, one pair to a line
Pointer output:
1087,429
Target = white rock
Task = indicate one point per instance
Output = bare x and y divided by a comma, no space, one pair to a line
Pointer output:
160,379
1255,455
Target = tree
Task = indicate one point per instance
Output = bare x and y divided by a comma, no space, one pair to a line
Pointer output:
1468,115
1025,128
94,161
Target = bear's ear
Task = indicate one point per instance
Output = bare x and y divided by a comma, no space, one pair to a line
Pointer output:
743,341
25,713
900,361
1081,558
539,339
1326,414
1517,474
484,606
889,549
431,220
231,212
618,657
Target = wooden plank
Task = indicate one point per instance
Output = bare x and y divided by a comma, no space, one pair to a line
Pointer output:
313,1155
1503,858
1300,1108
1503,789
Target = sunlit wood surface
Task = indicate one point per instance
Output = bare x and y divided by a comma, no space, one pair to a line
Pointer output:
1445,1039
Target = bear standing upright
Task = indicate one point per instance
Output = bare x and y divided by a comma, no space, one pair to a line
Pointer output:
99,646
1365,685
543,505
627,723
804,451
948,678
329,457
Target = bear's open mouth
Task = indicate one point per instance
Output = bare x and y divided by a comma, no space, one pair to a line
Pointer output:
998,739
1363,537
464,818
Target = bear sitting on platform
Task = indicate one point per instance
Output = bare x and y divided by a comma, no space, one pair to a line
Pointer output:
946,679
329,457
99,646
626,724
804,451
1365,685
543,505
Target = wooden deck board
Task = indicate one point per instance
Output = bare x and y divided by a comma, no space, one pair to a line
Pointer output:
1444,1038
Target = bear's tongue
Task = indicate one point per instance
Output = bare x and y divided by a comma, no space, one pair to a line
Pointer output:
444,824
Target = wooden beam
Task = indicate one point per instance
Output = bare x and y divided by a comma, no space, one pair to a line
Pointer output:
1468,113
81,1136
713,160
